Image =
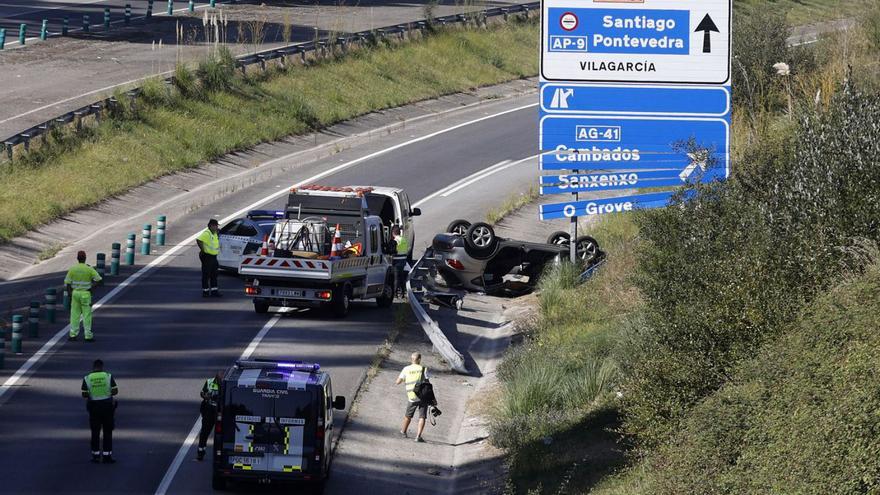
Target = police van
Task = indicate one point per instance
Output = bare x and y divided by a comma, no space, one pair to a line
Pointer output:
275,423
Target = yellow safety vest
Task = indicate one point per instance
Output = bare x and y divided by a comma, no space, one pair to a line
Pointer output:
81,276
98,383
210,242
411,374
402,245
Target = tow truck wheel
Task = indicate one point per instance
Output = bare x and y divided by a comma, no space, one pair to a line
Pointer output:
341,302
458,227
218,483
386,299
261,307
586,248
559,238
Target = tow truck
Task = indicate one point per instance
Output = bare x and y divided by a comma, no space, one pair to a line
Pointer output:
328,250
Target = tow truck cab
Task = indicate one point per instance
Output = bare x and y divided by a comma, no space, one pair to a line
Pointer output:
274,424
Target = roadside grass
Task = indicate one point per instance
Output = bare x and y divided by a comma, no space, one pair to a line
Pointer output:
801,12
557,412
212,111
49,252
513,203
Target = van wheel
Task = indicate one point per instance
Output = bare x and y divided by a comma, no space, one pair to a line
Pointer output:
261,307
386,299
341,302
317,487
218,483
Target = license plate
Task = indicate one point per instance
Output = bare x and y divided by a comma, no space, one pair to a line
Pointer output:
290,293
248,461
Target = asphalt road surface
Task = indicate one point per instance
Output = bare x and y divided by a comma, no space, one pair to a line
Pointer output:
161,340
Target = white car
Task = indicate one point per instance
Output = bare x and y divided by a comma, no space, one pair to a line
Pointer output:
392,205
245,236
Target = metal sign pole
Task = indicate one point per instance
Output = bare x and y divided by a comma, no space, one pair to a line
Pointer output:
572,245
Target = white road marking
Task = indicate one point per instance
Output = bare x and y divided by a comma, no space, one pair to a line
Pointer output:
48,348
194,432
503,166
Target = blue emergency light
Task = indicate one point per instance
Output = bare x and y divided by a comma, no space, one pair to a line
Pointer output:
266,214
300,366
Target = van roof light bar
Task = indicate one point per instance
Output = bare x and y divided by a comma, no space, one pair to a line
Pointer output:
268,364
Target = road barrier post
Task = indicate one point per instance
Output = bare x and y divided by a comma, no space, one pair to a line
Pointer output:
213,3
160,231
192,6
114,259
127,14
129,250
149,9
51,299
170,7
106,17
101,266
44,30
145,239
65,26
2,344
86,23
2,38
17,321
34,320
65,300
22,31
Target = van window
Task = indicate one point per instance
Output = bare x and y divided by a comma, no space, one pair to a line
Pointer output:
292,404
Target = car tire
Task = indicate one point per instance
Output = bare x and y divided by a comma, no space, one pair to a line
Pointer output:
480,240
218,483
559,238
458,227
261,307
386,299
587,249
341,303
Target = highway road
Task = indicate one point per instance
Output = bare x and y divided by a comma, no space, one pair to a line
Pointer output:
160,339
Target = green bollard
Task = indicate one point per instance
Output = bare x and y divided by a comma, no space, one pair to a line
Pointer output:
34,320
101,266
149,9
192,6
213,3
17,321
2,38
65,26
85,23
106,18
160,231
44,30
22,31
51,299
145,239
170,7
114,259
127,14
129,250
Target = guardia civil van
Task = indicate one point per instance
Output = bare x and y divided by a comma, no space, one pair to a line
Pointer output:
275,423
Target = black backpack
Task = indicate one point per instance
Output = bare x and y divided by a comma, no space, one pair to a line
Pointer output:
424,390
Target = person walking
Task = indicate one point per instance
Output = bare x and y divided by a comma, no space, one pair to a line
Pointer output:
209,247
98,388
410,375
79,282
210,397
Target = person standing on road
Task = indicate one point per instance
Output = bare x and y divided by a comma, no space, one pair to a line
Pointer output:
210,397
399,259
98,388
411,375
209,247
80,280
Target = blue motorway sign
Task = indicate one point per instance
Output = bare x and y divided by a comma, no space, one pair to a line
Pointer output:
704,101
588,142
605,205
591,30
619,180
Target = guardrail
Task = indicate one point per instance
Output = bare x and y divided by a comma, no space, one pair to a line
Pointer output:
319,48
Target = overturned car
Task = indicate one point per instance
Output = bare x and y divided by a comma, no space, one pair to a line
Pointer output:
471,257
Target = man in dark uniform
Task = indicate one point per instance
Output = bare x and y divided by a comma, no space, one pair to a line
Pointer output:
98,388
210,396
209,247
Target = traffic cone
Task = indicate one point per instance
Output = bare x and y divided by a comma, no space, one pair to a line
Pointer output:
264,249
337,248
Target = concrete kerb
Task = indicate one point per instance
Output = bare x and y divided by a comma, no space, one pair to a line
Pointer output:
317,48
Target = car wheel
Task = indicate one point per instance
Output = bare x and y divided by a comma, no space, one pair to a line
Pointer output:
586,248
341,302
261,307
559,238
480,239
386,299
458,227
218,483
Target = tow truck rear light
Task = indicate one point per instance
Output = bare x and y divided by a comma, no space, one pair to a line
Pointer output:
324,294
252,291
455,264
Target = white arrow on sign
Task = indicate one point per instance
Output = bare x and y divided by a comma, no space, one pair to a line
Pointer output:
698,160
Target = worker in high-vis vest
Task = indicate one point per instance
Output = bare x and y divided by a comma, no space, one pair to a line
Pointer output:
98,388
80,280
210,401
209,247
410,375
399,260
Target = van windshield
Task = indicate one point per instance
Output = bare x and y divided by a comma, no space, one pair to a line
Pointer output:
277,404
